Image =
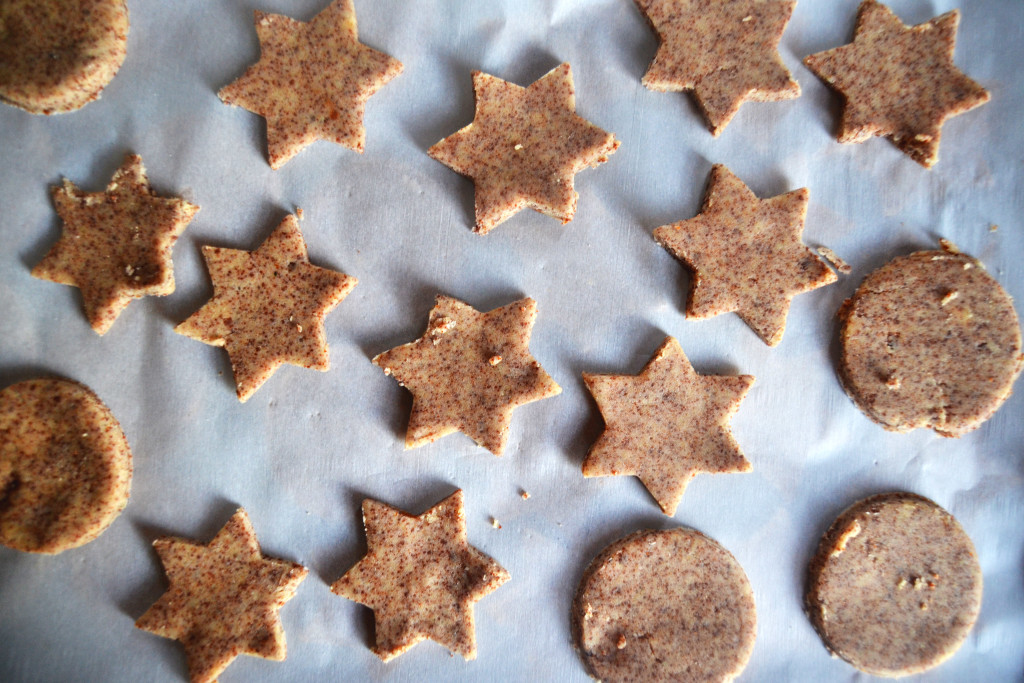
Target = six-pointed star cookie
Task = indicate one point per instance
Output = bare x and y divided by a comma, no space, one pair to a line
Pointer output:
666,424
116,245
524,147
898,81
420,577
223,598
268,307
469,371
312,80
725,51
746,254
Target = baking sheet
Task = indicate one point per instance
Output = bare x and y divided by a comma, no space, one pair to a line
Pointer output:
308,447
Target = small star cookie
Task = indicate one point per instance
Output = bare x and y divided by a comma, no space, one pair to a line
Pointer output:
469,371
223,599
524,147
115,245
312,81
420,577
746,254
724,51
666,424
898,81
268,307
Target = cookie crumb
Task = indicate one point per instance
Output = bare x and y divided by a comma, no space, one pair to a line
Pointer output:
494,523
993,227
833,258
949,296
524,494
494,360
298,213
621,642
948,246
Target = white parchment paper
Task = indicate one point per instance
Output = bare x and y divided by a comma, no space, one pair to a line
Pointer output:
308,447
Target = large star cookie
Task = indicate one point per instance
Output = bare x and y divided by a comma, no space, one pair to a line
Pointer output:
420,577
524,147
312,80
116,245
724,51
746,254
898,81
223,599
469,371
666,424
268,307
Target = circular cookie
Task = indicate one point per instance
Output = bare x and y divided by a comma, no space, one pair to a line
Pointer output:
664,606
57,55
895,585
930,340
65,466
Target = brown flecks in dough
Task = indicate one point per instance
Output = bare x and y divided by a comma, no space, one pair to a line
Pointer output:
420,577
746,254
724,51
312,81
898,81
65,466
664,606
455,387
58,56
115,245
867,602
223,599
268,307
524,147
666,424
952,359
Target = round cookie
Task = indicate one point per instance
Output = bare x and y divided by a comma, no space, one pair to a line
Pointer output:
895,585
57,55
65,466
664,606
930,340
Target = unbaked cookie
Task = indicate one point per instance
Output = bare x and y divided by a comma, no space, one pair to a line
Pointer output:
895,585
930,340
65,466
57,55
664,606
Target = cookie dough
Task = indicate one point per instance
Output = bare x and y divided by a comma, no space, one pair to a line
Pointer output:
65,466
930,340
895,585
664,606
57,55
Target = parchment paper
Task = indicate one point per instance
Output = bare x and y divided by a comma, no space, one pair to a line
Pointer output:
308,447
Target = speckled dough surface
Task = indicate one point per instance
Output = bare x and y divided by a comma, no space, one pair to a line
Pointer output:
725,51
930,340
420,577
58,55
664,606
895,586
469,372
268,307
898,81
223,598
666,424
746,254
115,245
524,147
65,466
312,80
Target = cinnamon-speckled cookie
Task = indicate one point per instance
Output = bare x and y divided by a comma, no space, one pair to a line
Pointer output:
895,585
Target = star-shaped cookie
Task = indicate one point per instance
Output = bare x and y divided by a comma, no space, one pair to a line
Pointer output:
666,424
898,81
268,307
115,245
312,80
223,599
469,371
420,577
524,147
724,51
746,254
